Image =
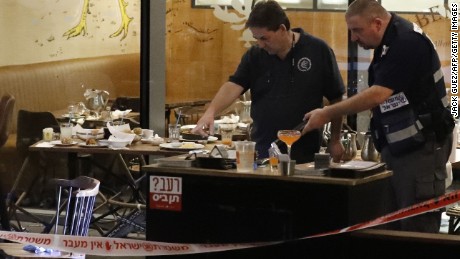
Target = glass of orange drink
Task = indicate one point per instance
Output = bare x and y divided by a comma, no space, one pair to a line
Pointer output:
289,137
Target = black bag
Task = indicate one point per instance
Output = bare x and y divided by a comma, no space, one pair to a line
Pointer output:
443,123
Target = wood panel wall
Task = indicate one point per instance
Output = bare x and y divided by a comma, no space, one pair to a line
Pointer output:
203,51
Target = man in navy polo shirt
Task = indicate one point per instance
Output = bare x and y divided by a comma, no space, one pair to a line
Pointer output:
288,73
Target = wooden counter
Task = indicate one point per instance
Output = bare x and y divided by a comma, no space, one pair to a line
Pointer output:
223,206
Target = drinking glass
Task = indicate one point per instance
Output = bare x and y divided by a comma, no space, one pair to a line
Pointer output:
226,133
66,132
174,132
72,109
273,160
289,137
245,151
48,134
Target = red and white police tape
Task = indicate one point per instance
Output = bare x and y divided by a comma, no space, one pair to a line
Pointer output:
124,247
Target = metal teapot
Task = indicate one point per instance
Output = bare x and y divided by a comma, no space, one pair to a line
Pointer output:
96,100
369,152
245,117
349,143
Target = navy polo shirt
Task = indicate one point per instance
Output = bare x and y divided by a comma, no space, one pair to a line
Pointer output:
283,91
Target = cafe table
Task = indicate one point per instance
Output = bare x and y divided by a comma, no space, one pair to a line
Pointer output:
136,149
214,206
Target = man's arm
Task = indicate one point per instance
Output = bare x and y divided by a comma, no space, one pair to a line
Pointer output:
335,145
226,95
365,100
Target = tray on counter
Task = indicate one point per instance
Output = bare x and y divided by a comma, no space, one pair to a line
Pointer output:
175,161
356,169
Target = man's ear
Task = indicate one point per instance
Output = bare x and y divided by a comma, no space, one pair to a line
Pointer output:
378,23
283,27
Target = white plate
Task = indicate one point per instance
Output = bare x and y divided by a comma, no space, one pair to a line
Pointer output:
185,127
212,139
75,116
169,146
92,146
146,140
152,140
242,125
60,144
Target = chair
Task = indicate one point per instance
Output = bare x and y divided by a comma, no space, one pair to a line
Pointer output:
128,103
189,114
6,112
76,198
29,128
125,103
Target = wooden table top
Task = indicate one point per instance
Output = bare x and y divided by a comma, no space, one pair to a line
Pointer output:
172,105
265,173
137,148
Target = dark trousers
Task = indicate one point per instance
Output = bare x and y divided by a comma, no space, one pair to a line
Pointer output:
419,176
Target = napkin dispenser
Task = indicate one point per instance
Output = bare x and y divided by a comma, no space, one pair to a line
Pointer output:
218,158
215,162
175,161
219,151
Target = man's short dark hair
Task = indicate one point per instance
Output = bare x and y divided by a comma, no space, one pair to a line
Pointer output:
268,14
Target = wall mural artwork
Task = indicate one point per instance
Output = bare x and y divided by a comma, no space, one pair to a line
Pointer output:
203,35
242,8
53,30
237,18
186,27
81,27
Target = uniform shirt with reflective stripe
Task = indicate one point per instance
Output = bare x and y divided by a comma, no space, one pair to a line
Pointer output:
406,61
401,59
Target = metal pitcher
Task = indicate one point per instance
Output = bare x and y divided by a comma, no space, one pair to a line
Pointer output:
245,117
349,143
96,100
369,152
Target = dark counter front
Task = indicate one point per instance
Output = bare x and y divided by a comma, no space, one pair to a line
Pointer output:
192,205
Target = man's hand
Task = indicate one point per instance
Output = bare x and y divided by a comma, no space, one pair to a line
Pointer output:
316,119
336,149
204,123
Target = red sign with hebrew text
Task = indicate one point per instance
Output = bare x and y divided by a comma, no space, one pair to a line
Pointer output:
165,193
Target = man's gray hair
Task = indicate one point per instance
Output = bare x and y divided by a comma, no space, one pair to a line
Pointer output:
366,8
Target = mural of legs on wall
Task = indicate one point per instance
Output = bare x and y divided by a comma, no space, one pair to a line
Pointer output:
80,29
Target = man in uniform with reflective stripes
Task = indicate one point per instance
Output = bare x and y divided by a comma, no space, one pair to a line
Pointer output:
411,121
